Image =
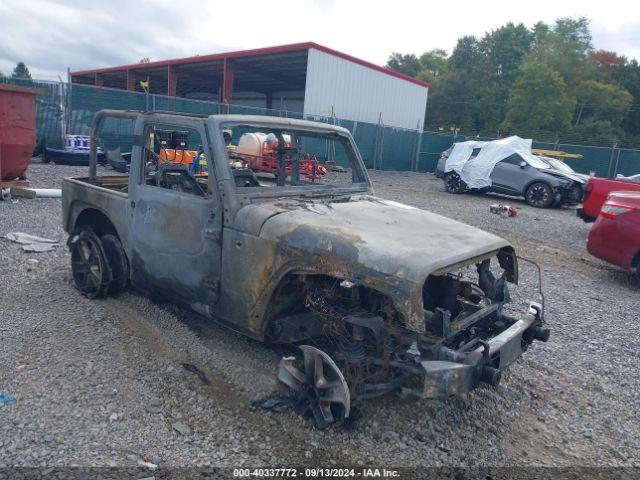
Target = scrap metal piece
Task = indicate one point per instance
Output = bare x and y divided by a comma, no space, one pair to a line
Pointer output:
321,384
39,247
32,243
26,238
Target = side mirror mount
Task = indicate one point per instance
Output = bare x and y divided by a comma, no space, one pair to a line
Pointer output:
523,164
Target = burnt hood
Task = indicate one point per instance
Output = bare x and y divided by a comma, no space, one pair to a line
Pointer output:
369,233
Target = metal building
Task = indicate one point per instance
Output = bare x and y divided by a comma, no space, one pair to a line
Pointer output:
304,77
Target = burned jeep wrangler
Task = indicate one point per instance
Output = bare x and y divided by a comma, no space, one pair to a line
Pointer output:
252,225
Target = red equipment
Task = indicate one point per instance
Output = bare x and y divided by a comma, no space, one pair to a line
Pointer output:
17,132
308,166
596,192
615,236
266,160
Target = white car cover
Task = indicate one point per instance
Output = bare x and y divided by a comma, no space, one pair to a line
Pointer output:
476,172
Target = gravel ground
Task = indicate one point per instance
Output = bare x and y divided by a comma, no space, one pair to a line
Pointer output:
101,383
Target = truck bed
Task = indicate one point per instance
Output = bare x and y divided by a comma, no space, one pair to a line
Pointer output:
110,199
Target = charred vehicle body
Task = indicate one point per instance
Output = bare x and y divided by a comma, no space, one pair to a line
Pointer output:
377,295
507,166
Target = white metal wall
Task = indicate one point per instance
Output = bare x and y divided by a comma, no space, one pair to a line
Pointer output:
360,93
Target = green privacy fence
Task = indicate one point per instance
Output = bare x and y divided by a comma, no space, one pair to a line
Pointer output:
49,118
602,161
69,108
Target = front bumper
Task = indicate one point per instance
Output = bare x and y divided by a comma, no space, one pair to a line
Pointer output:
464,372
568,195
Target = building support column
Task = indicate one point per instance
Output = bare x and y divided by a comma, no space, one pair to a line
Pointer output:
227,81
131,81
269,99
172,81
99,80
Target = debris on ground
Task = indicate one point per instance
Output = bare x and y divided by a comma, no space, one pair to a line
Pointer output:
279,402
39,247
149,465
199,373
274,402
32,243
181,428
500,209
23,192
6,398
334,167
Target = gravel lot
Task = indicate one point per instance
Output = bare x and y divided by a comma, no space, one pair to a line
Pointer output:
101,383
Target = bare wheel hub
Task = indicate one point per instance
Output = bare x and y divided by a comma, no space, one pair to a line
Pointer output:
88,265
320,384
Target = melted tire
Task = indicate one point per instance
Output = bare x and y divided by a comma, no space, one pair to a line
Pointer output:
117,260
89,266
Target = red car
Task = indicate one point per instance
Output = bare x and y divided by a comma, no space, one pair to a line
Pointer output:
615,237
597,190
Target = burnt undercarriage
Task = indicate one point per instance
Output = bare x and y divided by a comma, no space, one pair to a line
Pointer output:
354,346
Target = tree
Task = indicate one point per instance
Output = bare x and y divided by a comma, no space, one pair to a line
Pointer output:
602,102
433,64
606,61
407,64
526,80
628,75
538,102
21,71
503,50
453,97
451,103
564,47
466,54
501,55
597,132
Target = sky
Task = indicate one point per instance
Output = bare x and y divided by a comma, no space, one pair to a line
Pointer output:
50,36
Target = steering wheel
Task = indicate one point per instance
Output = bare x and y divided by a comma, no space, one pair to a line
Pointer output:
175,176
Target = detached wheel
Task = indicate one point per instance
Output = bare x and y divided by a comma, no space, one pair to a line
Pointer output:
453,183
318,385
539,195
117,260
91,273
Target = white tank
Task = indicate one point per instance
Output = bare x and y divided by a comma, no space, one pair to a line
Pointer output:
251,144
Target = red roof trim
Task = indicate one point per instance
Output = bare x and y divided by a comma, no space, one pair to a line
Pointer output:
294,47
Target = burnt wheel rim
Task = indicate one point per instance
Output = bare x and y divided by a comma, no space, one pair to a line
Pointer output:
538,195
320,383
87,266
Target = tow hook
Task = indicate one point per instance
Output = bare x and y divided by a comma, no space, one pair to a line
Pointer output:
490,375
539,333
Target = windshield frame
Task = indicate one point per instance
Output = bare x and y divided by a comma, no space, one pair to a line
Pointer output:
554,162
533,159
223,171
